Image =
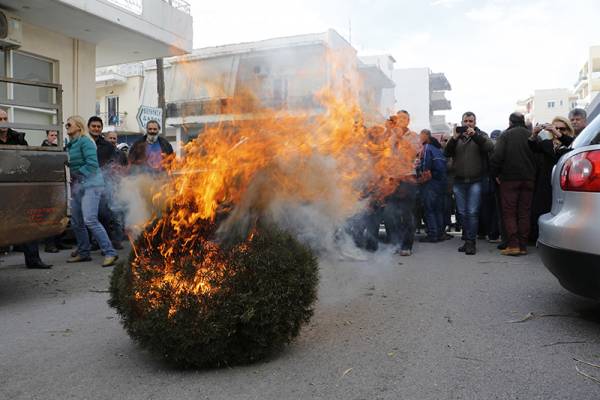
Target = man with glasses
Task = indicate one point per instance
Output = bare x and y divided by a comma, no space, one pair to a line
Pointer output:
11,137
469,148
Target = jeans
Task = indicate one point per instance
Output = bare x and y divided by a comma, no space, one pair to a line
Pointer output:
433,194
516,210
84,214
468,203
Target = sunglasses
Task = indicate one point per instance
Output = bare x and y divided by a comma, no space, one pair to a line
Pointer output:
562,128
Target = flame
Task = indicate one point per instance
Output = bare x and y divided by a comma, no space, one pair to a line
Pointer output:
236,169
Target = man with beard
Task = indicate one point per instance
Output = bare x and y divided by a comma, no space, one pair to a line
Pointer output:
469,148
150,150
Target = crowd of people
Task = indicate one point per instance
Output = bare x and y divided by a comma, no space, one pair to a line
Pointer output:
96,164
487,187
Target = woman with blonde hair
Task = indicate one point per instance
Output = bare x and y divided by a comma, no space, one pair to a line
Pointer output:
549,142
87,185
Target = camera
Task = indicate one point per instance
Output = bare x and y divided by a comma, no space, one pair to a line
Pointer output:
462,129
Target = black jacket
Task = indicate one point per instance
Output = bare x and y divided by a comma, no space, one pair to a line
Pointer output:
165,146
513,159
107,153
15,138
469,156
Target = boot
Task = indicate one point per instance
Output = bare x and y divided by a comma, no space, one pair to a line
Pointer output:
470,248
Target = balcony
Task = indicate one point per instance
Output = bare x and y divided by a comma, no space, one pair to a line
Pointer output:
438,81
114,120
196,108
439,102
122,30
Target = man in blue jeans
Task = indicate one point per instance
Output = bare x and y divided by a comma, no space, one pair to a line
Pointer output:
469,148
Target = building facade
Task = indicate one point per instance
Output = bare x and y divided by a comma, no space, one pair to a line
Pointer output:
423,93
63,41
281,73
545,104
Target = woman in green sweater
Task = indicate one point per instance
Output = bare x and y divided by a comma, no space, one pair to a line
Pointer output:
86,188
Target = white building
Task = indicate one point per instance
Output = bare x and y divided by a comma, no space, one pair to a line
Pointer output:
545,104
385,63
587,86
422,93
283,73
62,42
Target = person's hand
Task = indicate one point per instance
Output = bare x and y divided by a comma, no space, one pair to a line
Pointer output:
555,132
471,132
537,129
455,134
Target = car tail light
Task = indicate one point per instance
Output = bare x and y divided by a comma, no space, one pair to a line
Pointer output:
581,173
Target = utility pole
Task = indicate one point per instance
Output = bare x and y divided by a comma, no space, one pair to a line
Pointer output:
160,87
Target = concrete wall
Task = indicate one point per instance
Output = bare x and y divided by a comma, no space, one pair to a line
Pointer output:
412,94
75,63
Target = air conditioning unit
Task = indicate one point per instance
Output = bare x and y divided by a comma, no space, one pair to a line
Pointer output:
11,31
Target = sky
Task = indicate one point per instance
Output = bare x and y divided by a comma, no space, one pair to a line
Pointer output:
493,52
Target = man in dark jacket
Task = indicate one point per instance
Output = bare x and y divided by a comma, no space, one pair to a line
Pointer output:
468,148
513,165
11,137
433,176
150,151
108,158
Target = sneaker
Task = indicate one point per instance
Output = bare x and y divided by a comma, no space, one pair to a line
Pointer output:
511,251
110,261
78,259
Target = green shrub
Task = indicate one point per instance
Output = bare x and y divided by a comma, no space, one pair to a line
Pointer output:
260,301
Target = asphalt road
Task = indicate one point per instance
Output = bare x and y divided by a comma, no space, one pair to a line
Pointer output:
437,325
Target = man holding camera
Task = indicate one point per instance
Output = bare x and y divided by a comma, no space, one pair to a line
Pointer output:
469,148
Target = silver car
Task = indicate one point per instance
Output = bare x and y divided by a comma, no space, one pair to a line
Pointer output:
569,239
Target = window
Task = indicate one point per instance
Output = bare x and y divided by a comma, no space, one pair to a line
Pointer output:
20,65
561,103
551,104
112,110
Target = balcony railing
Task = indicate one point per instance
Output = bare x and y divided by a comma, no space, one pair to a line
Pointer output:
113,119
230,106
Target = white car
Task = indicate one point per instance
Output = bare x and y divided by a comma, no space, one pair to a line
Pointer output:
569,239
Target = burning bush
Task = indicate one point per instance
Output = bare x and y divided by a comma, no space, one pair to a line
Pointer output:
208,305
